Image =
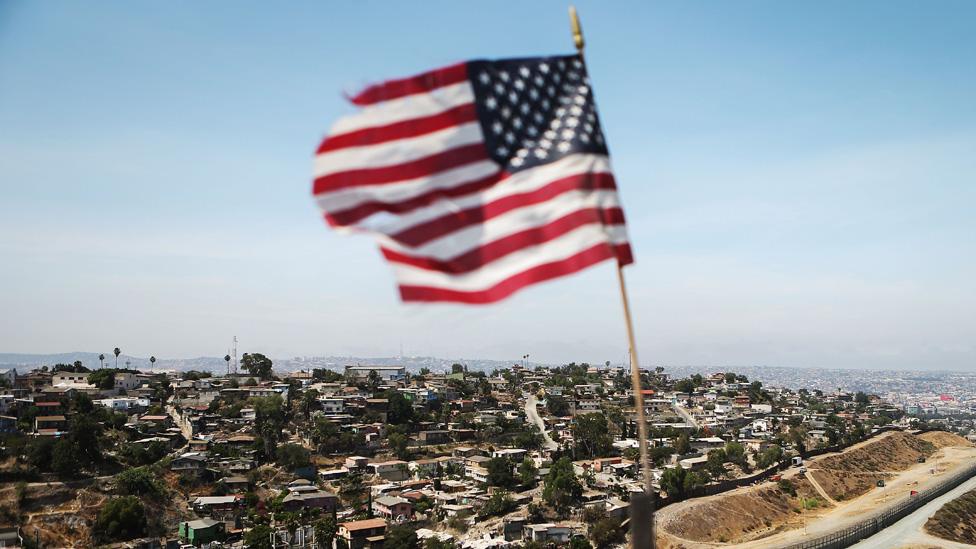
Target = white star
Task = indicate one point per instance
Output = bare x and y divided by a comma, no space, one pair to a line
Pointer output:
579,100
517,123
575,110
561,64
522,153
599,138
510,138
497,128
532,131
560,112
524,107
513,97
491,103
499,88
539,81
577,63
583,90
573,75
541,153
556,78
506,112
549,134
551,91
516,162
588,127
503,75
555,123
572,122
545,104
484,77
519,84
585,137
545,143
524,71
538,118
534,94
563,146
502,151
543,68
568,134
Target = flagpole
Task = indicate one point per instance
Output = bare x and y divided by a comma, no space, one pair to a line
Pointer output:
641,505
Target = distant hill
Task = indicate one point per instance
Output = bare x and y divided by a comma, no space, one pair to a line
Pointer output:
217,364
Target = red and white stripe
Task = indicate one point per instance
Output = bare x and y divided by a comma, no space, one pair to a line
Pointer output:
411,168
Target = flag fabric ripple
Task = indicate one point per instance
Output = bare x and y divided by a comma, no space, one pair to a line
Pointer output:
477,179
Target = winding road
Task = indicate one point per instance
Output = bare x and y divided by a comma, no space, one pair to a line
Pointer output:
533,415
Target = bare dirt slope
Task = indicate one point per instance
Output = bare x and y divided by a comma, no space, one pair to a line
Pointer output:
857,470
740,515
941,439
956,520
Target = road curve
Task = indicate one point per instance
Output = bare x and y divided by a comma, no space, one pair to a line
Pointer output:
908,531
533,415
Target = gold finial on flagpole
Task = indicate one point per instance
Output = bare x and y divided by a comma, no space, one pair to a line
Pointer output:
577,30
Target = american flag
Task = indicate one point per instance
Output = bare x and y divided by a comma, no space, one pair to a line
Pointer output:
477,179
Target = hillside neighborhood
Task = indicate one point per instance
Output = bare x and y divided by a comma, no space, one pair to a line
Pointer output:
374,456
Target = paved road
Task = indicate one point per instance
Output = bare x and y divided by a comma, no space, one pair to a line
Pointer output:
908,531
685,415
533,415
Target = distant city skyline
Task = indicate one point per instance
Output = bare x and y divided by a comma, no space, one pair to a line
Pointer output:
797,181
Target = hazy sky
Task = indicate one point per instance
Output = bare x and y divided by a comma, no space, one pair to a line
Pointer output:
798,179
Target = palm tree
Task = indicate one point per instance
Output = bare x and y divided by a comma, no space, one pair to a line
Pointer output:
152,362
117,352
227,360
101,360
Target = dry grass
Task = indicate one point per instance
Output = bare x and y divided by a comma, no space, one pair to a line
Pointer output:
855,472
956,520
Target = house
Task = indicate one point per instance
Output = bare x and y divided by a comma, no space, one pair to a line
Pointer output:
9,374
199,532
391,470
359,534
547,533
49,423
236,484
356,462
393,507
190,462
126,381
333,474
311,499
434,437
215,504
332,405
385,373
515,455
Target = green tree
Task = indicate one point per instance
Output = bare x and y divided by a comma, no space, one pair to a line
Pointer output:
292,457
557,405
770,456
457,368
500,503
139,481
269,420
592,435
308,402
401,537
398,442
528,473
325,531
258,537
257,364
499,472
607,532
120,519
562,489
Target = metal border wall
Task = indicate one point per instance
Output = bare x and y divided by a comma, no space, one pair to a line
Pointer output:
868,527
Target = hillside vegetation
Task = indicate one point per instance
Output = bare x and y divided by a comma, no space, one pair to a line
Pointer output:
956,520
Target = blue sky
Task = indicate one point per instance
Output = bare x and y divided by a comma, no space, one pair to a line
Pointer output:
798,179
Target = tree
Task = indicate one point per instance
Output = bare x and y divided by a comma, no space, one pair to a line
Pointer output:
528,473
117,352
592,435
257,364
457,368
258,537
684,386
500,503
683,445
139,481
529,438
499,472
607,532
401,537
152,362
579,542
770,456
557,405
309,402
292,457
562,489
678,482
325,531
120,519
326,375
269,420
398,444
101,360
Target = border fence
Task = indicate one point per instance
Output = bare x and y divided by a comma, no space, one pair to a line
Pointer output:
866,528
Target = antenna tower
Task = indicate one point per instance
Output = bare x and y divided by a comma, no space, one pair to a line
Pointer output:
234,355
